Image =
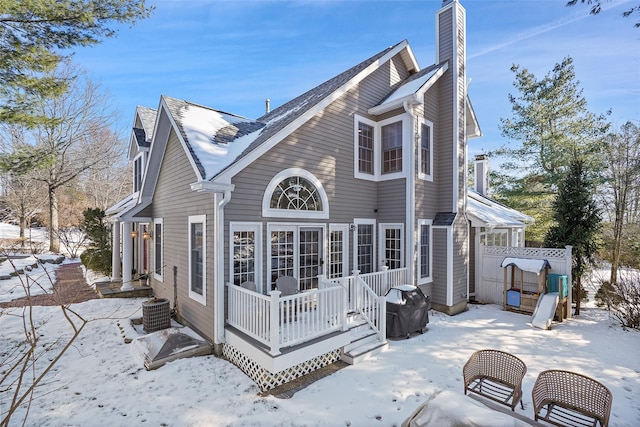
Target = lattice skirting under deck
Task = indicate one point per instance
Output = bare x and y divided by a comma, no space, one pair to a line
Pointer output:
267,380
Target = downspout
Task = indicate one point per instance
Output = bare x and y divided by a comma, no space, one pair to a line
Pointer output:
410,242
218,256
218,253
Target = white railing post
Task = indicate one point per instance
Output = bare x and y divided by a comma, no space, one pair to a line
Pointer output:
321,280
355,294
385,280
345,307
274,322
568,259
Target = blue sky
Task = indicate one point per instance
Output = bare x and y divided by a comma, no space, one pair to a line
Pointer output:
232,55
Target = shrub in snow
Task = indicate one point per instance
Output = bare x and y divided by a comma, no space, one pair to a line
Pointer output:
622,299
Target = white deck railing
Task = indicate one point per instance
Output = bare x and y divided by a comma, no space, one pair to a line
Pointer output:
372,307
366,294
279,322
380,282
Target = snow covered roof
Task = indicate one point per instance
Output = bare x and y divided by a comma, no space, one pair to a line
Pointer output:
412,89
123,206
527,264
284,115
148,118
485,212
215,139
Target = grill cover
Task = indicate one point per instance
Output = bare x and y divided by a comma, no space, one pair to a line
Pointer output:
407,310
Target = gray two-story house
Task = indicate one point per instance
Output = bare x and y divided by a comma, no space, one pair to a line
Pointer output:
357,185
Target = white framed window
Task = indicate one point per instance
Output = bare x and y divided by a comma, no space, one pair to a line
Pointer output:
295,193
425,150
296,250
364,253
425,255
338,250
365,148
138,172
158,253
379,147
197,258
245,255
392,249
391,139
495,238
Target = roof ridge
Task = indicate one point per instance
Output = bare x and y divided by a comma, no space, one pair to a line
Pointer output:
363,64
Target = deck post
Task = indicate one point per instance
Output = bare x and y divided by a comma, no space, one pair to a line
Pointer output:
356,290
385,279
345,307
274,322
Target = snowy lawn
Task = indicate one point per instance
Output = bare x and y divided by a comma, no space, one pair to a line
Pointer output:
38,276
99,382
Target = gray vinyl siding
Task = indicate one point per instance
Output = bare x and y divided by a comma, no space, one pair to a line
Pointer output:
391,201
175,176
460,263
439,287
426,202
324,146
443,134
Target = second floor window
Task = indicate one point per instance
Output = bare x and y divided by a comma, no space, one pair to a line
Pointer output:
137,174
379,147
392,148
365,148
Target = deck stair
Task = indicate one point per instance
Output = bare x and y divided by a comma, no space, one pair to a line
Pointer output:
364,341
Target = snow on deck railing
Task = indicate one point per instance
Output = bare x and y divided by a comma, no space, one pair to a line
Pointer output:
366,294
297,318
380,282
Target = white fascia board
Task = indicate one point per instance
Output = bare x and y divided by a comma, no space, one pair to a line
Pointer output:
238,166
157,150
129,214
412,58
472,124
411,99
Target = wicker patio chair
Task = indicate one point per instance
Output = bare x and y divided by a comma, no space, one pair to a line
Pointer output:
567,398
496,375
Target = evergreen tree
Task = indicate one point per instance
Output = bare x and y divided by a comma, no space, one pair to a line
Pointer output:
550,124
577,222
33,36
98,256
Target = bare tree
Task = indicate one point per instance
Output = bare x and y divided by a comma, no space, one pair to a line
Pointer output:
107,183
26,362
78,139
22,197
622,178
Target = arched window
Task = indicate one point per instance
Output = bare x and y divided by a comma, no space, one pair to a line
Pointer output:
295,193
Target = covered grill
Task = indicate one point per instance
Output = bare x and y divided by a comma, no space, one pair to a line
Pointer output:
407,311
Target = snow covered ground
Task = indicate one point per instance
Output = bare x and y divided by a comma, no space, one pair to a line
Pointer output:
37,278
100,382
